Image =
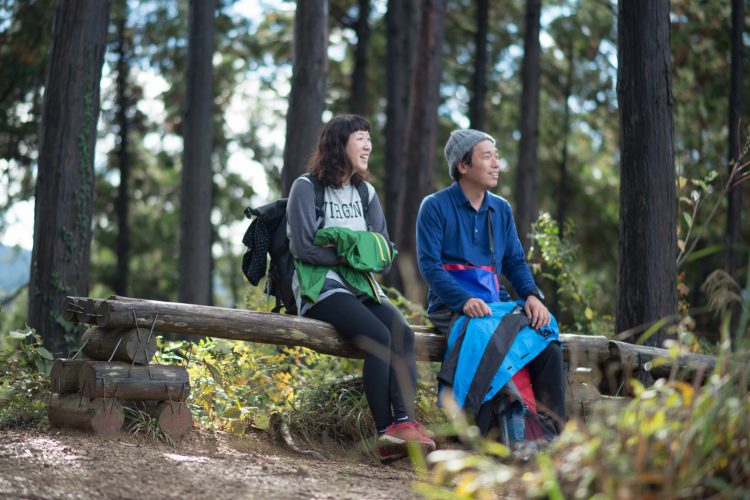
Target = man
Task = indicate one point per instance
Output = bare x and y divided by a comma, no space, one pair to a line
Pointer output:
466,238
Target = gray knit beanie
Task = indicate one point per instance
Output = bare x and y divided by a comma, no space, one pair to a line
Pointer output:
459,143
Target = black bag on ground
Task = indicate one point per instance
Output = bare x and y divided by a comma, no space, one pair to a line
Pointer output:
266,236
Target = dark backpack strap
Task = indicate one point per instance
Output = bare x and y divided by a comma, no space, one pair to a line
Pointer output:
492,357
450,363
364,195
490,213
320,192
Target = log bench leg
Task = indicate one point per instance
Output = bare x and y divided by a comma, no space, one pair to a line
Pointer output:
101,416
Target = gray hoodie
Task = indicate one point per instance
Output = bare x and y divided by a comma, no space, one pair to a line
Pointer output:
342,207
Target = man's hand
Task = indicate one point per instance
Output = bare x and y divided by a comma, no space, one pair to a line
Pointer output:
477,308
537,311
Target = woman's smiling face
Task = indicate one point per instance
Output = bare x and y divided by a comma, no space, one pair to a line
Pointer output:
358,149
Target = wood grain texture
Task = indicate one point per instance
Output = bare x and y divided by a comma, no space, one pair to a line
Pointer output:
99,415
119,344
134,383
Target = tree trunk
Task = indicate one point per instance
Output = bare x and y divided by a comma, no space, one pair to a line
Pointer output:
358,102
562,195
526,175
131,345
647,273
102,416
65,182
479,83
734,196
123,155
401,27
420,156
197,133
100,379
307,95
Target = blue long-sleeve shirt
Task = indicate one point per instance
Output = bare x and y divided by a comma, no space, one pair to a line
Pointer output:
451,231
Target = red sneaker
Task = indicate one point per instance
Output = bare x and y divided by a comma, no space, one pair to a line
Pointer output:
388,450
393,443
424,430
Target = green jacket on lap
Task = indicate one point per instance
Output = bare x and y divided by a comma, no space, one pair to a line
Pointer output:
361,252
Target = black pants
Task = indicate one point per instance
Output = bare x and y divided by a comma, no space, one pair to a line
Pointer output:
548,380
390,368
546,371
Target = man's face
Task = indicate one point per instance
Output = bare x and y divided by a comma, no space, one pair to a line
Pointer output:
485,167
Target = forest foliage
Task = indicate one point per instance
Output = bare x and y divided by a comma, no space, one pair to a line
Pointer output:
669,427
252,68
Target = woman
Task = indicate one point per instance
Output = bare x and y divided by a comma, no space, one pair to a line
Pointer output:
366,317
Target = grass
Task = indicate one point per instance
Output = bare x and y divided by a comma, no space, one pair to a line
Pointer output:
139,422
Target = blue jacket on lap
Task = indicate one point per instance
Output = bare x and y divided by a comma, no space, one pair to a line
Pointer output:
528,343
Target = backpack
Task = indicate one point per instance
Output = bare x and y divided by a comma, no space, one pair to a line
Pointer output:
266,235
515,421
518,424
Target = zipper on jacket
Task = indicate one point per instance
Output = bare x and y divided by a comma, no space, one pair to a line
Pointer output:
373,286
380,240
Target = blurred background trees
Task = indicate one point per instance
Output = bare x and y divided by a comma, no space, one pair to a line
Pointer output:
416,69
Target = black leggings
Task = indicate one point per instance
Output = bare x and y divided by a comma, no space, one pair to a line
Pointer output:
390,369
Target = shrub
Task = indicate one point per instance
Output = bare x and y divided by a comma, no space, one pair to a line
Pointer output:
557,261
24,382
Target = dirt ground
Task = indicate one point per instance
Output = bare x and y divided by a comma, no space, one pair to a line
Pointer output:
72,464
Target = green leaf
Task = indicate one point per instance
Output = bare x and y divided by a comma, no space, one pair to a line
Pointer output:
704,252
19,334
232,412
688,218
589,313
43,352
215,373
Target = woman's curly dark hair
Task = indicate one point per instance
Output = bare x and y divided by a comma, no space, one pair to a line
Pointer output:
329,163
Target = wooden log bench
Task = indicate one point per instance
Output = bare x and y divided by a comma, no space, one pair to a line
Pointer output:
596,352
111,375
122,328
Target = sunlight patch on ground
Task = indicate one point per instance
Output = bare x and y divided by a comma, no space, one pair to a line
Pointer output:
185,458
49,451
